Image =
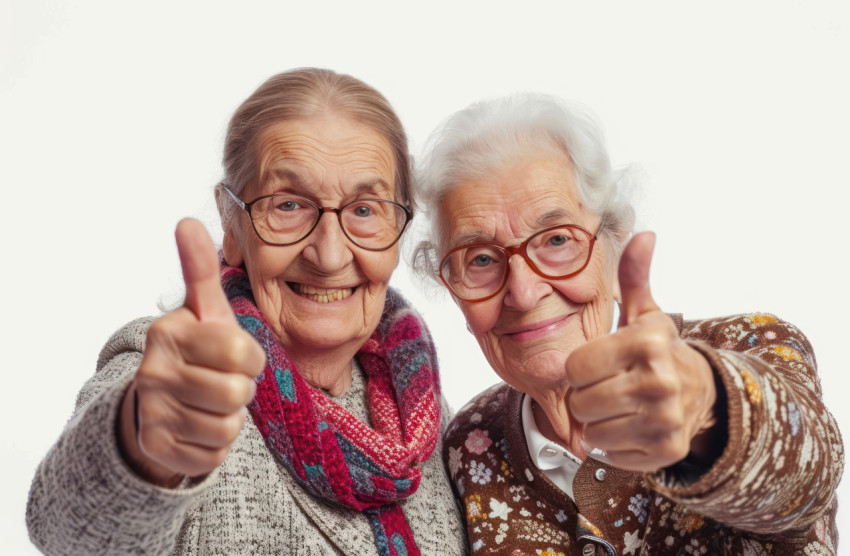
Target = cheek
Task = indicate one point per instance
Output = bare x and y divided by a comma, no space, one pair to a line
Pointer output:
591,286
595,293
482,316
378,266
269,263
266,265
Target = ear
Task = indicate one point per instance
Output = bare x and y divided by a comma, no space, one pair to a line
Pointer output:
232,249
618,293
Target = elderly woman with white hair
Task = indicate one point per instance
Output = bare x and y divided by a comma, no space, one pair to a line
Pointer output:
619,429
292,404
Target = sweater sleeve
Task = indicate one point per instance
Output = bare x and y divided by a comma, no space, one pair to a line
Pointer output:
84,498
784,455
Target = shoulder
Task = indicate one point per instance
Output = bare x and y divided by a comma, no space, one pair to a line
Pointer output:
128,338
487,411
752,332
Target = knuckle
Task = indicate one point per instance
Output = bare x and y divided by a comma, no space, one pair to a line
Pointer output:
237,392
669,419
655,344
674,449
658,385
163,330
577,405
216,457
232,426
667,385
576,363
242,352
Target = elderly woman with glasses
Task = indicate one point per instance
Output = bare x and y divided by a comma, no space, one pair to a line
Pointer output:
292,404
619,429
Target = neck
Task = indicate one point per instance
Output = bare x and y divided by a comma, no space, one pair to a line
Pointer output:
328,371
555,423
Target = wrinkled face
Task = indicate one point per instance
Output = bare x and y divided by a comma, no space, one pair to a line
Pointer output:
322,293
530,327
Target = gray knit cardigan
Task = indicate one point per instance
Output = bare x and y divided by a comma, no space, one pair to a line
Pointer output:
84,499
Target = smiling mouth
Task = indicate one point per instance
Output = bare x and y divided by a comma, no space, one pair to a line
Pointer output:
320,295
539,329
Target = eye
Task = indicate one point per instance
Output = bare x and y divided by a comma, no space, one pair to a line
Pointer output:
482,260
288,205
362,211
558,240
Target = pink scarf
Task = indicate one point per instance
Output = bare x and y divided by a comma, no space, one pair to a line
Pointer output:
332,454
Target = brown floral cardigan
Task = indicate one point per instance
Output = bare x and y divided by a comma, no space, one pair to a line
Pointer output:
772,491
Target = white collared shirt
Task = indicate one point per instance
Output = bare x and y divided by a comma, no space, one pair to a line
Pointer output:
556,462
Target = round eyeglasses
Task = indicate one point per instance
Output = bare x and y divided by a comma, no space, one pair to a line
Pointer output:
285,219
478,271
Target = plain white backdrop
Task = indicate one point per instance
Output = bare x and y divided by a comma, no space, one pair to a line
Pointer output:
112,120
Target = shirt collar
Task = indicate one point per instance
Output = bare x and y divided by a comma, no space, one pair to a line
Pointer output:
544,453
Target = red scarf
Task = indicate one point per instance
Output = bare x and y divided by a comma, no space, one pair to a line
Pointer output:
332,454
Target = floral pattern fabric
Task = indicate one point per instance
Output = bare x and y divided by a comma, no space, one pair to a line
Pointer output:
772,491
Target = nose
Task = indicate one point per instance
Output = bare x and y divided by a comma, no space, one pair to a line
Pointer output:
524,287
328,248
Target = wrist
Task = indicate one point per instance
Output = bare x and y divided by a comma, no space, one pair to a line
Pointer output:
711,434
127,430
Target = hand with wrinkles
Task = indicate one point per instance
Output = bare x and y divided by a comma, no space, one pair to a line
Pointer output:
643,395
186,403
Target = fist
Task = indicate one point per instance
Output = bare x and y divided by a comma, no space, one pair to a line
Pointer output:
643,395
186,404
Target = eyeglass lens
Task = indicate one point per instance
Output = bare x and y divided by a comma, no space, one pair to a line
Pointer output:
478,271
369,223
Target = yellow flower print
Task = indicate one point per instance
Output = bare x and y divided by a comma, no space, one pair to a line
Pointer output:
788,354
753,390
690,523
761,320
473,508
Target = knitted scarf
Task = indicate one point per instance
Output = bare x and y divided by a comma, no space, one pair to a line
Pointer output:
332,454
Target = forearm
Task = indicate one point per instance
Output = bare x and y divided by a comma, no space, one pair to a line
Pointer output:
783,455
84,499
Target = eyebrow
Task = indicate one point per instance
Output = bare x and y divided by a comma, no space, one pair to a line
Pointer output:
556,216
549,218
296,182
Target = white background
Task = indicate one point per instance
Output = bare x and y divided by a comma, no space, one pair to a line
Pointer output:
112,120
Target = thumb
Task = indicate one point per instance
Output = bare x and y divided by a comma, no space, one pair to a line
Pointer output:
199,260
634,278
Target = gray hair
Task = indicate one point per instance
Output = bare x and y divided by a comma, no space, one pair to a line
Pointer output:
484,137
302,93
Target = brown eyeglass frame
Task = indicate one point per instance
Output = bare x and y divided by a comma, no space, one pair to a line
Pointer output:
322,210
522,251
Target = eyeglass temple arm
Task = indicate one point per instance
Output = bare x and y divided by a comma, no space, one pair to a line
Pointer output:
602,224
238,201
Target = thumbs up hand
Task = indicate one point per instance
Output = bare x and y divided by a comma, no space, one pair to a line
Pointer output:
189,394
644,396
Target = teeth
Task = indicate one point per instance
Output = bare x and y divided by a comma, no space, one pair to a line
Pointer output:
321,295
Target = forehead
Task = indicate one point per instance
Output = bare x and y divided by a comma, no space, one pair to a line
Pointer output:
322,154
514,201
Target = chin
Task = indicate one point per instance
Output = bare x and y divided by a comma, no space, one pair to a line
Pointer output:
542,369
547,365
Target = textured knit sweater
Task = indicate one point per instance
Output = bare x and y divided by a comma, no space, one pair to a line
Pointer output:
86,500
772,491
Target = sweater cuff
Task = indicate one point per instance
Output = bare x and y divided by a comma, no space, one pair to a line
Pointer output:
124,472
692,480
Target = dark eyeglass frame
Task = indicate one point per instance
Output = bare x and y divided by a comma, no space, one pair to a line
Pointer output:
408,215
522,251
